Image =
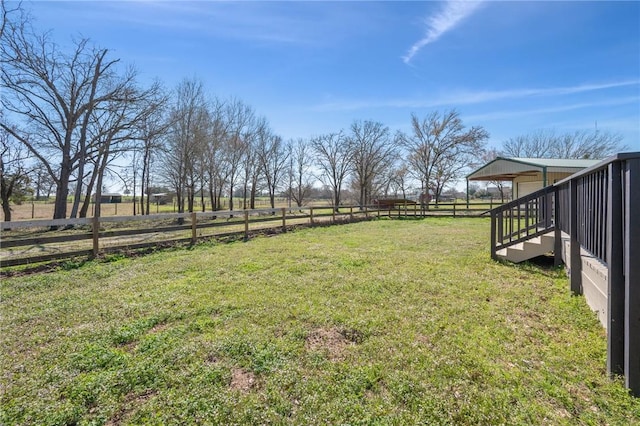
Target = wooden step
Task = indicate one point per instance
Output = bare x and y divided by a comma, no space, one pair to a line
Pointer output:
534,247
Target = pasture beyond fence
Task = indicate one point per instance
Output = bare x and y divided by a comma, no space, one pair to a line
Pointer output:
37,241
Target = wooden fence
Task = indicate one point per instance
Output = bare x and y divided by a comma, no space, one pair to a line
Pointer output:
37,241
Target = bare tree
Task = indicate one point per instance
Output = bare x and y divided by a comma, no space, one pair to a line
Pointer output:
55,93
113,132
397,182
185,144
150,133
439,149
273,157
373,154
14,172
214,153
550,144
300,163
253,137
334,160
240,119
42,183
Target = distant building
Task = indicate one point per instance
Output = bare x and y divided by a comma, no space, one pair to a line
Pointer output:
162,198
109,198
527,175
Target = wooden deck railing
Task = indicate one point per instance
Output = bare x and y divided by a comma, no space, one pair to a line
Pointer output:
522,219
599,210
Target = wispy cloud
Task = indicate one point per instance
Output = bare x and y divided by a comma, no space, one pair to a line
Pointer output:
451,14
465,97
501,115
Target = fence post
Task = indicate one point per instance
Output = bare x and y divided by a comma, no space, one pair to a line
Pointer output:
494,218
311,216
246,225
632,275
454,209
575,266
350,212
194,230
615,273
95,230
284,219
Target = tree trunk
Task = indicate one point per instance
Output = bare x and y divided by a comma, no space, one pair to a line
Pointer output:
5,192
87,199
212,194
253,196
62,192
202,199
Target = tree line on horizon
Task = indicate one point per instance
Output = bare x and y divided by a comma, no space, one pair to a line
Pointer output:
71,118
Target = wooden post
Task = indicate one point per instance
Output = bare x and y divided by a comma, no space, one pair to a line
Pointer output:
350,212
194,234
632,276
311,216
284,219
116,213
246,225
557,232
494,218
454,209
615,275
333,214
95,230
548,205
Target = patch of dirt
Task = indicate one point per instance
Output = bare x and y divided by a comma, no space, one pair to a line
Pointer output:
242,380
131,401
331,340
211,359
158,328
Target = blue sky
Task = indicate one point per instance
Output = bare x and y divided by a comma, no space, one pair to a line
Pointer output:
315,67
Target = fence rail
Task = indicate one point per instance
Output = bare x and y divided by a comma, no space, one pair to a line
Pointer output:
35,241
597,211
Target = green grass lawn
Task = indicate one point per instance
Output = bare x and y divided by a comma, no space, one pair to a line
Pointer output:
383,322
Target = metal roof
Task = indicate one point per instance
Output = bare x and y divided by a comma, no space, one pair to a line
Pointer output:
509,168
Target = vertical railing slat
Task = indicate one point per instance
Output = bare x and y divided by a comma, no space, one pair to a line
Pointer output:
615,277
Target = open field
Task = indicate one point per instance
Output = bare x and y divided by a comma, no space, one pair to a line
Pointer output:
385,322
44,210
